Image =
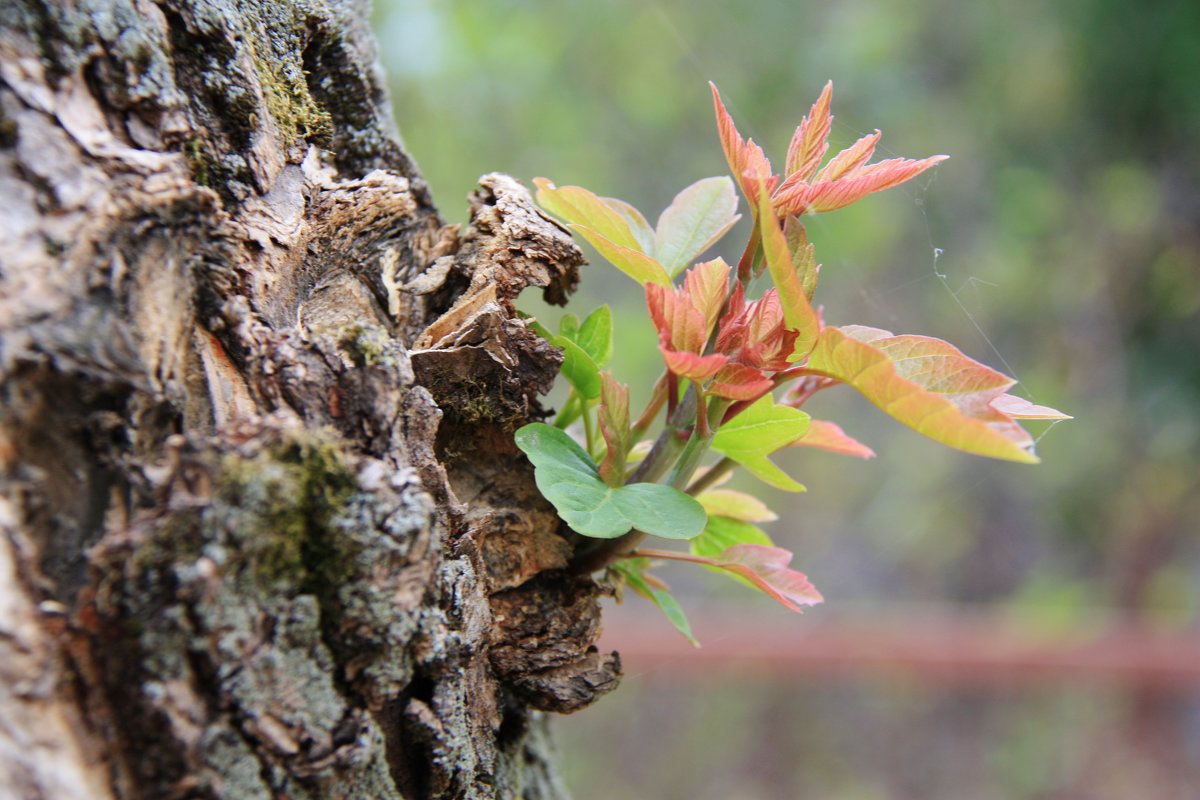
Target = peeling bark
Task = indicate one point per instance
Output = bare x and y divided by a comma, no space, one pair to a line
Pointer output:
263,528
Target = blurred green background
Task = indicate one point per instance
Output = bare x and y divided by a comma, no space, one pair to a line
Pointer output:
1060,243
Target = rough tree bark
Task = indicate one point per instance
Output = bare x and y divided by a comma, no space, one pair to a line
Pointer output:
263,530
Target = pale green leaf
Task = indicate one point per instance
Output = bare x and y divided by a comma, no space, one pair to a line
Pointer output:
757,432
578,206
638,226
763,427
634,263
735,504
723,532
697,217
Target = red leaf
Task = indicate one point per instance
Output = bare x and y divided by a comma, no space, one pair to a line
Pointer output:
705,287
692,366
684,317
756,335
738,382
681,326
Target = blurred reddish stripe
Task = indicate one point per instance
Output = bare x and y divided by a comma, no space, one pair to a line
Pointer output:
956,646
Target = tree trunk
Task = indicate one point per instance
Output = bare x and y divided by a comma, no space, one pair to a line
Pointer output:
263,529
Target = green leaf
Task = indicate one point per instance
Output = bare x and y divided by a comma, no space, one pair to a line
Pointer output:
763,427
633,571
697,217
578,368
595,336
757,432
568,477
766,471
723,532
568,326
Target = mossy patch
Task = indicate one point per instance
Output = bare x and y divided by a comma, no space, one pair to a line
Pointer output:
200,162
287,498
297,116
368,345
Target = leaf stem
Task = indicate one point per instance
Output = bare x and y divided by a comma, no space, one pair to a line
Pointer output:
658,397
745,270
563,418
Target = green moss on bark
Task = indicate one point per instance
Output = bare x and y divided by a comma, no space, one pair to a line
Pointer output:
287,497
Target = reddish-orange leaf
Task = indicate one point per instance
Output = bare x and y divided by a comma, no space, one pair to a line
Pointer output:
685,316
803,198
739,382
830,437
613,416
756,335
850,159
705,287
941,367
745,157
681,326
811,140
692,366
